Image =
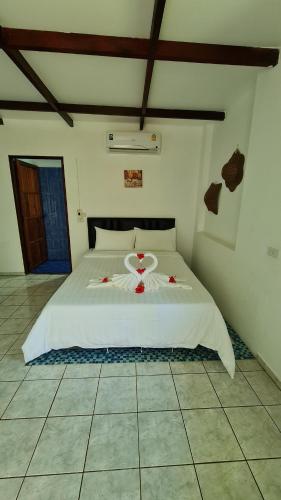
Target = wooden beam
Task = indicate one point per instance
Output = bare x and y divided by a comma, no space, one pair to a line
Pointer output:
159,6
136,48
1,121
91,109
30,74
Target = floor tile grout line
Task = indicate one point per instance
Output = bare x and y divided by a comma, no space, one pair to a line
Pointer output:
40,434
240,446
89,436
264,406
191,454
137,398
143,467
119,412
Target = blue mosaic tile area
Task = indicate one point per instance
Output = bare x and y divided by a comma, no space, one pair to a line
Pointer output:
130,355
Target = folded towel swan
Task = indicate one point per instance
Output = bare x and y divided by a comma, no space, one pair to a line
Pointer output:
141,279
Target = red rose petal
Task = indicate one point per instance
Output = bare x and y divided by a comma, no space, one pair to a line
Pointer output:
172,279
141,271
139,289
140,256
104,280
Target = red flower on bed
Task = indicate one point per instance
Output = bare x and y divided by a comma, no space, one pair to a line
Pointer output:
105,280
140,271
140,256
172,279
139,288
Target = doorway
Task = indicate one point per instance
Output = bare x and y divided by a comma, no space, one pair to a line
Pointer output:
41,206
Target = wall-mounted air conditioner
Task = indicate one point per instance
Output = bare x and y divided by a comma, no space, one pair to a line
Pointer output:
133,141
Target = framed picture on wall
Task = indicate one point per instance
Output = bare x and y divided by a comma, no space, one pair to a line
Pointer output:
133,178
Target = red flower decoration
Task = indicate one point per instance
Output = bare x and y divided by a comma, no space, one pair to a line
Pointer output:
140,287
141,271
172,279
105,280
140,256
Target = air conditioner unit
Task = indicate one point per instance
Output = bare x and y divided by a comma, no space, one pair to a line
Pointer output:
133,141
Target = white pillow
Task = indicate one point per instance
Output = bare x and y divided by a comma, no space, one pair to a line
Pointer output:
155,240
114,240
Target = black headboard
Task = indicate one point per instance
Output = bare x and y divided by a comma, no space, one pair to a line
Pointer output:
124,224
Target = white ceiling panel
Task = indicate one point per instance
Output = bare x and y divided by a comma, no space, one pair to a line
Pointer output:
182,86
13,84
100,17
241,22
90,79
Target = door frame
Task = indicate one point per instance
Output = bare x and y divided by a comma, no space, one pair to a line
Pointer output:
15,185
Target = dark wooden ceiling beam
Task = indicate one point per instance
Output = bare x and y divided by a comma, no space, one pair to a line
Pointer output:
158,11
136,48
91,109
30,74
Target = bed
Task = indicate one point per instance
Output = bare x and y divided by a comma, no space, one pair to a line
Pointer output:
110,317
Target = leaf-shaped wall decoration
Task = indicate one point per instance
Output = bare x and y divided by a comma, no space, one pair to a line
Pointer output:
211,197
233,171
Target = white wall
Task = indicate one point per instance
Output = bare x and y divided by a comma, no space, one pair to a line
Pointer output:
227,136
170,180
245,281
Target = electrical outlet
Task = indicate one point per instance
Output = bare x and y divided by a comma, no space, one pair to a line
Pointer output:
273,252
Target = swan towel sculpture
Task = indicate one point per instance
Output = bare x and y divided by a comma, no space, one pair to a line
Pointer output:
139,280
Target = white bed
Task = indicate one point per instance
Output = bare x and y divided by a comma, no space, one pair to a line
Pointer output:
110,317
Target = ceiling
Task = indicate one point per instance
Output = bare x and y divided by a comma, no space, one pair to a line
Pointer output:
115,81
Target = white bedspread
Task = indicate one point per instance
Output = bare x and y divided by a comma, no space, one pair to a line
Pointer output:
110,317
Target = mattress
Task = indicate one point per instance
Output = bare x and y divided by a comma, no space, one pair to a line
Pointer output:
110,317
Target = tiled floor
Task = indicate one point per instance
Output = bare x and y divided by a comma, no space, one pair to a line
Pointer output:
144,431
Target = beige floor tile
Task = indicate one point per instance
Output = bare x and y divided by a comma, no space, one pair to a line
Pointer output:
60,487
233,392
210,436
62,446
227,481
13,326
187,367
111,485
257,434
45,372
82,370
162,439
263,385
9,488
170,483
248,365
195,391
156,392
116,395
33,399
268,476
113,442
275,413
118,370
14,300
153,368
75,397
12,368
18,439
7,311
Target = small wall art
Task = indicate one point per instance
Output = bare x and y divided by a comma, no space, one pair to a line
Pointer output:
232,172
133,178
211,197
